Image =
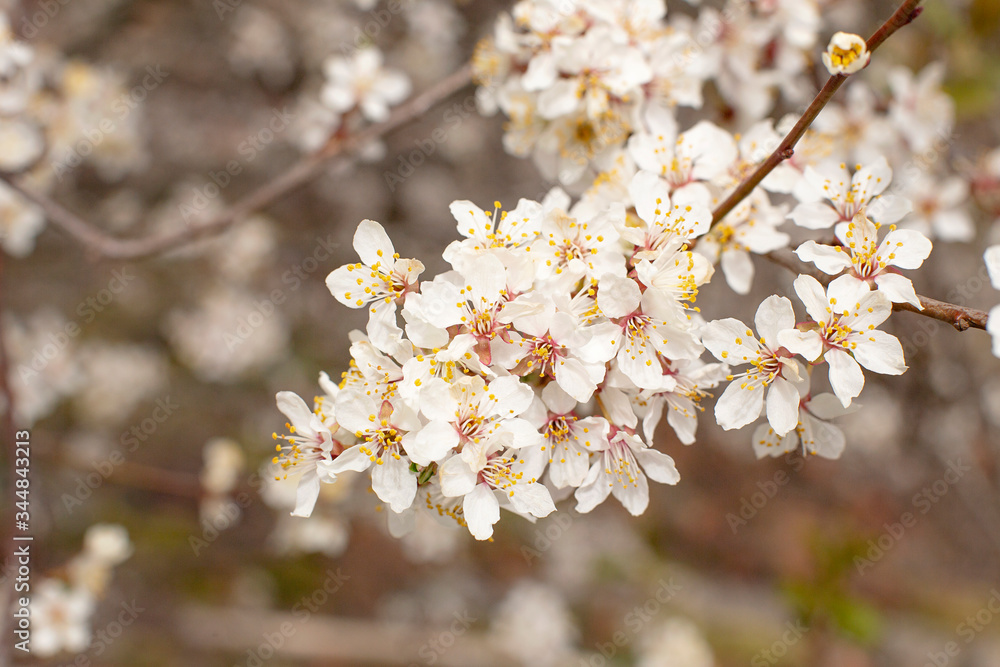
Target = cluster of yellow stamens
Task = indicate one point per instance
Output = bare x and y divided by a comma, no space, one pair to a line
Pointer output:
499,475
621,464
378,284
383,441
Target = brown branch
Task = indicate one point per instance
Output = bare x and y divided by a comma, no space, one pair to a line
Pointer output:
906,13
960,317
109,246
158,480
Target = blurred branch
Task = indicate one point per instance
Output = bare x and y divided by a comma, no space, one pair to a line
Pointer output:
107,246
160,480
325,638
960,317
906,13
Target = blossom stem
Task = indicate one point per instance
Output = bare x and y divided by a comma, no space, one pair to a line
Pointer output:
906,12
111,247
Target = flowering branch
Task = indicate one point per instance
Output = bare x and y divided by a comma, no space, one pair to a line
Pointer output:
108,246
906,13
960,317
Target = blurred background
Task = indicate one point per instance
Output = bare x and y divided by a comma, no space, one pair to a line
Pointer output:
157,413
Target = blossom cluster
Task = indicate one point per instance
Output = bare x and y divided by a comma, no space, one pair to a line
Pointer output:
540,365
592,89
578,78
521,375
56,114
61,608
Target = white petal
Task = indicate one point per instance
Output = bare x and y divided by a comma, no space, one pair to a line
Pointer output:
556,399
343,284
826,407
507,397
633,497
402,523
908,248
541,72
845,292
872,179
619,407
306,494
684,421
433,442
487,277
766,442
782,406
472,220
739,405
560,99
730,341
481,510
522,432
993,327
355,410
846,377
299,415
649,194
897,288
351,458
814,215
373,245
595,488
575,380
738,269
605,339
457,478
712,148
638,360
617,297
889,209
531,498
658,466
808,344
822,439
880,352
774,314
394,483
992,259
392,86
813,297
828,259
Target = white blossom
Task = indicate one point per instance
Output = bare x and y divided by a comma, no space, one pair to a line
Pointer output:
310,449
830,194
813,435
869,260
844,333
773,368
847,53
361,81
621,470
60,618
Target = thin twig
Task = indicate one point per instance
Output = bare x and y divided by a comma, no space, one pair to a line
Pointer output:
906,13
960,317
109,246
